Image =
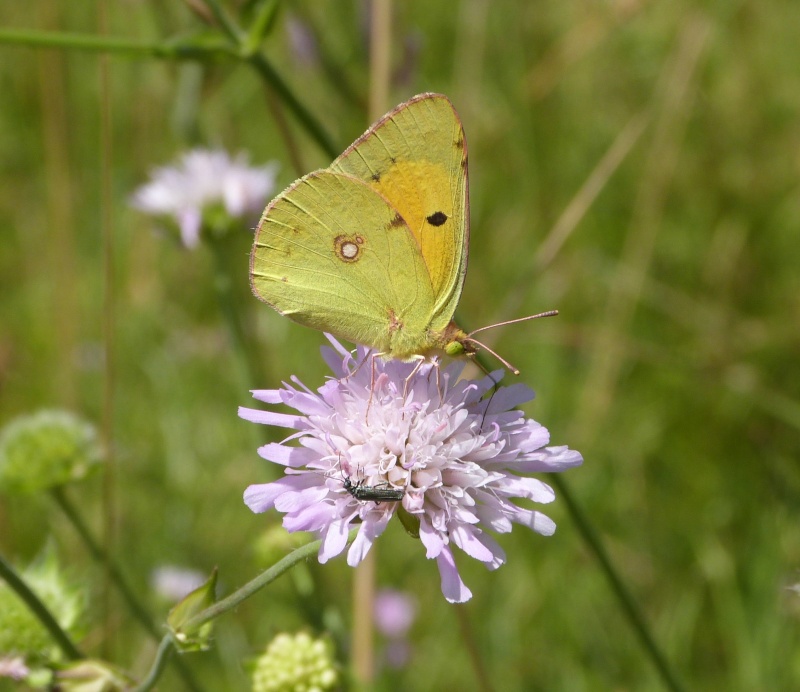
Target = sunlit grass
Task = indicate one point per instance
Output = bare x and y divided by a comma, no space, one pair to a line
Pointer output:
673,366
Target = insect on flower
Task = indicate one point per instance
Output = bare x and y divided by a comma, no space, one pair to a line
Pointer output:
435,449
373,493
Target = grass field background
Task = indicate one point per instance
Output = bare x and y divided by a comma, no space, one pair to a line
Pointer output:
634,164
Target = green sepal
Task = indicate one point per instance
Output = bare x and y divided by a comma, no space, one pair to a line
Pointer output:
198,637
409,521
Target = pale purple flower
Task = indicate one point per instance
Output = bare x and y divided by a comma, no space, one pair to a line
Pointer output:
13,667
395,612
204,178
302,42
452,449
173,583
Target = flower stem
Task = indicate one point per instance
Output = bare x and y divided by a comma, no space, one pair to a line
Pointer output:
364,578
180,50
246,361
240,39
39,609
629,605
112,44
303,115
482,678
363,628
163,655
225,21
254,585
134,605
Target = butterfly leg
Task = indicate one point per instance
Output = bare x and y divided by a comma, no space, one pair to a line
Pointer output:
371,383
420,360
353,373
439,384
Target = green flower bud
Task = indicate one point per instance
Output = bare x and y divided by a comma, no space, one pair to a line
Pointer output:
44,450
296,663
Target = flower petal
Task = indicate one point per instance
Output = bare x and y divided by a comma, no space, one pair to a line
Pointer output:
431,539
261,497
454,590
280,420
295,457
537,521
369,531
335,540
531,488
268,396
551,459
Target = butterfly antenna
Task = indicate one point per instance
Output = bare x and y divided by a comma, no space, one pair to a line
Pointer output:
549,313
496,355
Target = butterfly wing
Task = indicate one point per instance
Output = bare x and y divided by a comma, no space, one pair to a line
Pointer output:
416,157
333,254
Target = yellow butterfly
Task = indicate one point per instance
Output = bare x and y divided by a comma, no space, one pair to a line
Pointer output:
373,249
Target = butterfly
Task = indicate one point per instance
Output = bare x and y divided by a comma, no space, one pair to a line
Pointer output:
373,249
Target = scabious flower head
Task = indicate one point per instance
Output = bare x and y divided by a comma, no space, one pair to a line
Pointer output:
205,179
296,662
451,451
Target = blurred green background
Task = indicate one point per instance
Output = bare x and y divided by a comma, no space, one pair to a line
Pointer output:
633,164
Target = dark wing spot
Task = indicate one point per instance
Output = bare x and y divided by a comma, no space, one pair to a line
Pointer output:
397,222
459,142
464,163
437,218
376,176
392,159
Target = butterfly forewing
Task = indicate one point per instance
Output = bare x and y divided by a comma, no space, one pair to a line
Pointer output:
416,157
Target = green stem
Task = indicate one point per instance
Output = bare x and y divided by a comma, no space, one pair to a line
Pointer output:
244,46
629,606
229,603
39,609
163,655
112,44
128,595
180,51
483,680
254,585
249,371
303,115
225,21
260,25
